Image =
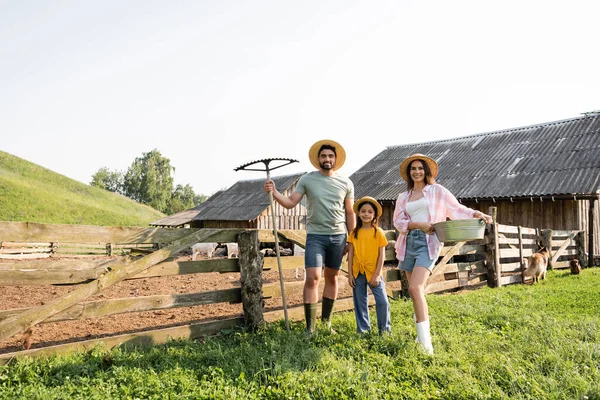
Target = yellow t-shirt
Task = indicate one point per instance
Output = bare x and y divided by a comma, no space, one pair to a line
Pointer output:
366,251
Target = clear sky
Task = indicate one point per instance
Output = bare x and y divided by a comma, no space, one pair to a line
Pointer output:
216,84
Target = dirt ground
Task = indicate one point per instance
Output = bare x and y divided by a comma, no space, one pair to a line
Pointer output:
70,331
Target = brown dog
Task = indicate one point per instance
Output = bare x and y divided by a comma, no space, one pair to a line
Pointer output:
537,264
575,267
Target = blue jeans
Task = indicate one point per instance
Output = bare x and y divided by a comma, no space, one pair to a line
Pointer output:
417,252
324,250
361,305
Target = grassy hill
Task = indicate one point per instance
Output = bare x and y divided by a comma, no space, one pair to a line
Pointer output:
30,193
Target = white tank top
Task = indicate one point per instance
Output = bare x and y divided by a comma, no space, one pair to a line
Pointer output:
418,210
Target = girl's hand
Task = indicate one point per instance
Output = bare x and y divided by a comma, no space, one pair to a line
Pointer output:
374,282
351,281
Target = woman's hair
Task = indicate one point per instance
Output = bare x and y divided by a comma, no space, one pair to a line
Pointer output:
429,179
359,221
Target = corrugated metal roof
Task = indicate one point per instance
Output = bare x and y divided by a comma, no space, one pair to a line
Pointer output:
550,159
244,201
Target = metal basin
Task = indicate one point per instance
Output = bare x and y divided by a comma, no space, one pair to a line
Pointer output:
460,230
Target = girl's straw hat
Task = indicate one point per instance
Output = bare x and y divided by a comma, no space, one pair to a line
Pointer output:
370,200
433,166
340,154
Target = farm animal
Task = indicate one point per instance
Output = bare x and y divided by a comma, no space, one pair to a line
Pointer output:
205,248
27,339
232,250
575,267
537,264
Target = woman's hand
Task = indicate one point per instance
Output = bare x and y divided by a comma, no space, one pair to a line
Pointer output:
487,218
426,227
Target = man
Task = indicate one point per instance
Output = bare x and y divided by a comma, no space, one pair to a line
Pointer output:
330,217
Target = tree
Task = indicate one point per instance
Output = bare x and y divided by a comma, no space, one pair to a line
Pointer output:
199,198
182,198
148,180
108,180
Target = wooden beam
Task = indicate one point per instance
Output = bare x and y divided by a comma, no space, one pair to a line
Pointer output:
145,338
116,273
102,308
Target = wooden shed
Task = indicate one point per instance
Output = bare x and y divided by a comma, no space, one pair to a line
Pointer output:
543,176
243,205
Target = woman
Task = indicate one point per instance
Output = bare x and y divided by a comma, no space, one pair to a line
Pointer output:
417,246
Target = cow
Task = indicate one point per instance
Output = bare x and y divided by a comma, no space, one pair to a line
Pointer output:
537,264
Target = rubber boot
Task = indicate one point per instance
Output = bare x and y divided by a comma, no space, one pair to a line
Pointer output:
424,336
310,314
326,312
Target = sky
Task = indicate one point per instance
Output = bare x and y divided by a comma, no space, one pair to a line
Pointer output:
214,85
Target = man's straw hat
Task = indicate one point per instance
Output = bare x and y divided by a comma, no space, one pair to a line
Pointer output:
433,166
340,154
370,200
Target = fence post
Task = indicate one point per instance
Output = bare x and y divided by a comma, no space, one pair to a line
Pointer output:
497,265
547,242
521,254
580,241
251,266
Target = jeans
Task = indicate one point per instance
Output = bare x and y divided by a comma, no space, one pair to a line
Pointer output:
361,305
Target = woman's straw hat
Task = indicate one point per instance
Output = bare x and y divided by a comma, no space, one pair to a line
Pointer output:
433,166
340,154
370,200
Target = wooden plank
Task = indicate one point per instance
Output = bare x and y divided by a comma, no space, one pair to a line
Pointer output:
511,267
442,286
274,289
294,236
392,275
171,267
563,246
451,253
102,308
513,230
116,273
23,250
507,280
562,265
145,338
287,262
465,249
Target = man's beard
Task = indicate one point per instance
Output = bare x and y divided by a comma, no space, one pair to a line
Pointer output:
327,166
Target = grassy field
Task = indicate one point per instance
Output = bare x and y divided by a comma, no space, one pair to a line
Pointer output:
30,193
518,342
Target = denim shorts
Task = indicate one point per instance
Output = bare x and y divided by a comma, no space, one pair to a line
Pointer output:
417,253
324,250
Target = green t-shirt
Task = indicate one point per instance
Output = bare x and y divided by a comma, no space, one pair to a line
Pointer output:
325,197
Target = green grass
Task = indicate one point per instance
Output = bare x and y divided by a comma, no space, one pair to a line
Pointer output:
518,342
30,193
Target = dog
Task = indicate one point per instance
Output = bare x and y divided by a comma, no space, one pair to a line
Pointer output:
575,267
537,264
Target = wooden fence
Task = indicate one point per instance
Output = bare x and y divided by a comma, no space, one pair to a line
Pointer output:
151,252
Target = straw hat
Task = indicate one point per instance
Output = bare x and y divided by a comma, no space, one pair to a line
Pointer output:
340,154
433,166
370,200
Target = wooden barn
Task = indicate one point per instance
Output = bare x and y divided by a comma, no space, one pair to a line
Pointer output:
543,176
243,205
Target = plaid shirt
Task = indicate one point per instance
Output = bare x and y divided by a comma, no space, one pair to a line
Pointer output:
441,204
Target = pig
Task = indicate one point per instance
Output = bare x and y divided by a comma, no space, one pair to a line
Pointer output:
207,248
537,264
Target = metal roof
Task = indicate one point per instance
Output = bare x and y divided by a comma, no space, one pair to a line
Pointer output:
244,201
544,160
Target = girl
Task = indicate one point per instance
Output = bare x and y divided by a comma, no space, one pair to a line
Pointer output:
366,254
417,246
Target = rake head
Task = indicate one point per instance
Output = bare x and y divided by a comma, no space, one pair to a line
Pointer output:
280,162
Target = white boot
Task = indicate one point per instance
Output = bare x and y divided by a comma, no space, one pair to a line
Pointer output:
424,336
